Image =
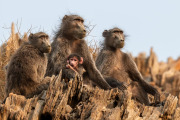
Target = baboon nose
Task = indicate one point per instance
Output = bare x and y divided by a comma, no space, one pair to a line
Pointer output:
84,31
122,40
49,46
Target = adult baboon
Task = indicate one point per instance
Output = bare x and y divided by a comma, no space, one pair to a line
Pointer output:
70,39
27,67
114,63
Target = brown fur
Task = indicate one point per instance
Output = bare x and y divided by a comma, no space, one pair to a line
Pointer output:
112,62
70,39
27,67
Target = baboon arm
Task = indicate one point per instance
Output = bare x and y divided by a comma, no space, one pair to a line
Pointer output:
102,60
37,89
57,57
90,67
135,75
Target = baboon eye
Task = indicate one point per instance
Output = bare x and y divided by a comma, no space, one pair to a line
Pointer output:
42,37
117,32
78,20
121,32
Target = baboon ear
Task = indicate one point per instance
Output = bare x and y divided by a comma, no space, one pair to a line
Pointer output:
67,61
30,36
81,61
65,17
105,33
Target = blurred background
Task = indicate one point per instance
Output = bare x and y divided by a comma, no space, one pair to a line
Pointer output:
147,23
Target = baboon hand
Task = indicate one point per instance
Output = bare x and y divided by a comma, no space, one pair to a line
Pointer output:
157,98
69,73
123,86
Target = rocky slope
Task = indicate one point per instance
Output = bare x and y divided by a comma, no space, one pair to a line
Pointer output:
73,101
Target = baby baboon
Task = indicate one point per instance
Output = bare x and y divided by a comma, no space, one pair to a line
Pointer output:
74,62
27,67
112,62
70,39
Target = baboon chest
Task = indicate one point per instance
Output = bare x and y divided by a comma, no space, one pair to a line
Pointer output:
118,70
76,46
41,67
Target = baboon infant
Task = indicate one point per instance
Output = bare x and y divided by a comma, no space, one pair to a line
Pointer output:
70,39
27,67
74,63
114,63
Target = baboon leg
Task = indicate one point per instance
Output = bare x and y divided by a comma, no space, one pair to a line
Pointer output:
115,83
135,75
139,94
37,90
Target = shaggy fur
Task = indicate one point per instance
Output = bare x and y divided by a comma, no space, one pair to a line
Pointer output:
27,67
70,39
114,63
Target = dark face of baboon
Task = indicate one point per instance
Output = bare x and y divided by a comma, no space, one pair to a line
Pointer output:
41,41
73,27
114,38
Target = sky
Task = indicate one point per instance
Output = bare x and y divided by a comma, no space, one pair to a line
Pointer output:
147,23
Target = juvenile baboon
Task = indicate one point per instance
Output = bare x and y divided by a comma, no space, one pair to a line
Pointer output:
70,39
74,62
114,63
27,67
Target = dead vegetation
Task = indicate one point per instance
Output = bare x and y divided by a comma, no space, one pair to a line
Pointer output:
73,101
165,76
6,51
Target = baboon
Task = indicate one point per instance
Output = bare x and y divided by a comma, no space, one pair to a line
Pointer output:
27,67
70,39
114,63
74,62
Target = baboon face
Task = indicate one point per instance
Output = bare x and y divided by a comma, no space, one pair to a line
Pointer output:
41,41
73,26
114,38
75,61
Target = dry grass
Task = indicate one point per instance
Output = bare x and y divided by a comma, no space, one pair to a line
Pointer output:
6,51
177,66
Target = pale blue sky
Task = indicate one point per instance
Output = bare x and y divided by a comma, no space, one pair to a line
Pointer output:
148,23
